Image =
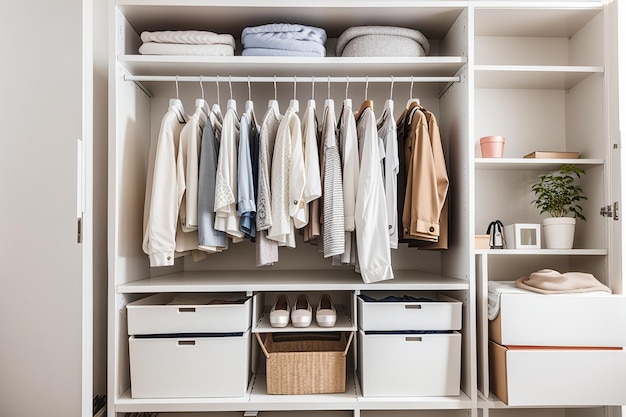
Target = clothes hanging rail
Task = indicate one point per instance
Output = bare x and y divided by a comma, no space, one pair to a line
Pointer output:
298,79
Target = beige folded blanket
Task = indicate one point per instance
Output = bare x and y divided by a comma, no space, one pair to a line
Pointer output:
549,281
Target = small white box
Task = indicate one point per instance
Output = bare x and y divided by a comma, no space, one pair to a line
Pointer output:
443,313
410,364
522,236
188,367
577,319
557,376
155,315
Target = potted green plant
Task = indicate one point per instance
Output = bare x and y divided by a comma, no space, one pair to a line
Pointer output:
558,194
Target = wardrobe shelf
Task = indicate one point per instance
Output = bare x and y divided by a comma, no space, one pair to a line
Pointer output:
494,402
286,280
343,324
533,19
433,18
537,164
545,252
429,66
533,76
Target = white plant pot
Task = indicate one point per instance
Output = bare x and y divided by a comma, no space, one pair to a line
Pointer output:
558,232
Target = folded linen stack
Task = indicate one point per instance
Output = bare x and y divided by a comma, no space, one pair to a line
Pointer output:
187,42
283,39
371,41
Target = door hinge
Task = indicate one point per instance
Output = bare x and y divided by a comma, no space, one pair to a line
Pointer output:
79,230
612,210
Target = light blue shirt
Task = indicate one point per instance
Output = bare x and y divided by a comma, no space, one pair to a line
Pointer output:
246,206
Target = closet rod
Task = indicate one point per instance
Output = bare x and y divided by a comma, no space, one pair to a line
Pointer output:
299,79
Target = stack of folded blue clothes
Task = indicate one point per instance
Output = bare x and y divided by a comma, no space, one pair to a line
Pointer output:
283,39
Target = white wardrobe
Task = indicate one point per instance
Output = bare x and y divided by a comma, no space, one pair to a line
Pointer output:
542,74
46,211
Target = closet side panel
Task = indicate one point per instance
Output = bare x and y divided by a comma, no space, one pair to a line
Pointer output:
129,147
44,308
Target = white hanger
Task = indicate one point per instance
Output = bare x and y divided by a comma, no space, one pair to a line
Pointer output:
329,103
249,104
273,103
388,108
294,103
347,102
201,102
412,100
231,103
216,111
177,106
311,102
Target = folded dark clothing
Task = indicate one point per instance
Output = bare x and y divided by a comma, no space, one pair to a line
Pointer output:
394,298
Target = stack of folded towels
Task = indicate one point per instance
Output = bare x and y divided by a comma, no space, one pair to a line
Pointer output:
187,42
283,39
372,41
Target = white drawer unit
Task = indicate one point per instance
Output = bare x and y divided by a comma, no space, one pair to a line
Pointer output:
198,313
192,367
427,364
555,376
560,320
435,312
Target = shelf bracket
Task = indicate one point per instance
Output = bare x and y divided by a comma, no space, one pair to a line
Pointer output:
250,413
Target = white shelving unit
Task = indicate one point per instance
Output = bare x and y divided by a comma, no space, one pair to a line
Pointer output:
526,70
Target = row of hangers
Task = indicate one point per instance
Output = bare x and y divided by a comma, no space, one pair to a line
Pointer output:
177,104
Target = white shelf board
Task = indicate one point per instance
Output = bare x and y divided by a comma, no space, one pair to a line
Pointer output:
533,19
127,404
433,18
532,77
539,164
287,280
343,324
261,401
543,252
494,402
461,401
429,66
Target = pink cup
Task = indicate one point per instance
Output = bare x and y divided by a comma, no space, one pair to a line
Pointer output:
492,146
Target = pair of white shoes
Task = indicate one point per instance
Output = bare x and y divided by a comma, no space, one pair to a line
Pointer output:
302,314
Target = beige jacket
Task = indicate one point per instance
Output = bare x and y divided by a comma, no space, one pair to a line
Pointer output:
427,178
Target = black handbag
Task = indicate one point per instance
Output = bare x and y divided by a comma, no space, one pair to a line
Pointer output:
496,234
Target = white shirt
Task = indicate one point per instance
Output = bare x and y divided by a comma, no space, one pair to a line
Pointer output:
387,132
226,218
374,253
287,180
161,214
313,184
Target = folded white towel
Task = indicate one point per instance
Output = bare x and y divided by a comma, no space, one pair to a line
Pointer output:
189,37
153,48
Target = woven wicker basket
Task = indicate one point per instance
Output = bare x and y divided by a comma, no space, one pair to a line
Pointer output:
306,366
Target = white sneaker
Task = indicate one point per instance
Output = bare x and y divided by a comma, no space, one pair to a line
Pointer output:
279,314
302,313
325,313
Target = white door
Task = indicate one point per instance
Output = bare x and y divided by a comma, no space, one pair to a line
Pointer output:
45,274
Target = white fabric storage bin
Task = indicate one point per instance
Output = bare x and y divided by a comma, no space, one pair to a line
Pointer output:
410,364
443,313
177,367
557,376
155,314
583,319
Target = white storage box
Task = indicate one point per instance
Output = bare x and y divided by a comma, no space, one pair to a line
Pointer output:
410,364
583,319
174,367
155,315
444,313
557,376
